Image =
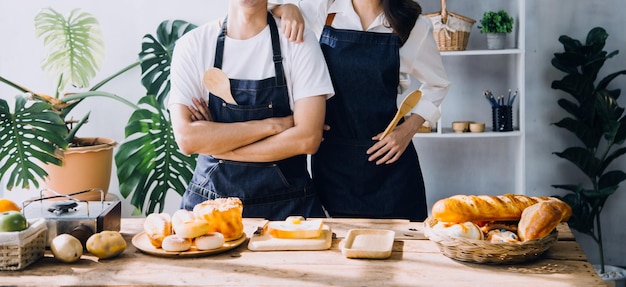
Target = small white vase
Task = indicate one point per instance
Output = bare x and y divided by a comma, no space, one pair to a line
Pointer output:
495,41
614,274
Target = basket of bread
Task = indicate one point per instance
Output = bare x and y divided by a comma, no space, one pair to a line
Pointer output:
509,228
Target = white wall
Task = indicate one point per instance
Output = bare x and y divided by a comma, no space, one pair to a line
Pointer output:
125,22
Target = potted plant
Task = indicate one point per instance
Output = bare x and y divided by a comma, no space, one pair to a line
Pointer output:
148,162
597,121
496,25
39,135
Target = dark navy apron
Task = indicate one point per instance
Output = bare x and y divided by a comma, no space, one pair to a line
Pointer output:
271,190
364,68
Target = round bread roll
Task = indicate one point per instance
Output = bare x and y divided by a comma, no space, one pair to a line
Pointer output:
211,240
176,243
157,226
465,230
186,225
501,235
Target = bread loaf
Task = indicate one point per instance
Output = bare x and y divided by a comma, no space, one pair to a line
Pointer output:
224,215
157,226
462,208
467,230
186,225
541,218
176,243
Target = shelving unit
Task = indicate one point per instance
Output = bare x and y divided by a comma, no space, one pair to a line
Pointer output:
478,163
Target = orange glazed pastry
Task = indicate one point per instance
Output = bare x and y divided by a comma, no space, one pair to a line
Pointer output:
224,215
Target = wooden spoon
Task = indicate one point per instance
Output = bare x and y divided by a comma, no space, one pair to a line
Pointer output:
217,82
407,104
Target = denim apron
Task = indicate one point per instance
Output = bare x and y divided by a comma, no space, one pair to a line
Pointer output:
271,190
364,68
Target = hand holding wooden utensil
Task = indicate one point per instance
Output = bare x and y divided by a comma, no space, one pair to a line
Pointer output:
407,104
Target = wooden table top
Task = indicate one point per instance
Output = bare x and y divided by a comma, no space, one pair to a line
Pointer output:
415,261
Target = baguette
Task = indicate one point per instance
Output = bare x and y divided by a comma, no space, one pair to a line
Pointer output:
462,208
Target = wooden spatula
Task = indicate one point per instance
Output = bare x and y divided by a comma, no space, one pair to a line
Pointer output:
407,104
217,82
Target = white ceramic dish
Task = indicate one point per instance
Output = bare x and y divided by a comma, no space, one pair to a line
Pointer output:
368,243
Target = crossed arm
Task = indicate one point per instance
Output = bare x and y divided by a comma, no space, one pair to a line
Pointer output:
265,140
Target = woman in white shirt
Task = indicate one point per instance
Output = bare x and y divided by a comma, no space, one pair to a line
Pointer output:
372,49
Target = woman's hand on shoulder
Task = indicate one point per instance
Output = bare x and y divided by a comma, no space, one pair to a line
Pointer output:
292,21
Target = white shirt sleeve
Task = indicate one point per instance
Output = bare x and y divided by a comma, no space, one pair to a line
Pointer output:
421,59
188,65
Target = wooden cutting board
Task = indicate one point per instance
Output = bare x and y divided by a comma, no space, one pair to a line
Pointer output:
265,242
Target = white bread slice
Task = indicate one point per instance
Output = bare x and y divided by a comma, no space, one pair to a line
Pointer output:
295,229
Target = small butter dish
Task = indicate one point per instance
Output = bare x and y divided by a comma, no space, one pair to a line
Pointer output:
368,243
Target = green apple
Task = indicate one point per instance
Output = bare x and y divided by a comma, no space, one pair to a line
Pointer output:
12,221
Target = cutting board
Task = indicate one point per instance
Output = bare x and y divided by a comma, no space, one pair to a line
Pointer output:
265,242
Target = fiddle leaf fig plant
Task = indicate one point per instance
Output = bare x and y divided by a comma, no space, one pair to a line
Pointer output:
149,162
597,120
40,124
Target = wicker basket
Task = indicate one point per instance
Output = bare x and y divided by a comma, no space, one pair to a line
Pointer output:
483,251
20,249
451,30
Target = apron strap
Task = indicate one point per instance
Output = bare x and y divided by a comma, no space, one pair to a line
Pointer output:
276,52
219,50
330,18
277,55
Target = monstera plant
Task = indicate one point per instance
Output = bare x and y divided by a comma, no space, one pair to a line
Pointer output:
597,121
40,124
149,162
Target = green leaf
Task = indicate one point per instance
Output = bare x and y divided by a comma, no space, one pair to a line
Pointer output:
75,48
150,163
609,182
31,132
156,57
584,159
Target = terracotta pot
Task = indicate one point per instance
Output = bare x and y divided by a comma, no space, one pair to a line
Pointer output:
83,168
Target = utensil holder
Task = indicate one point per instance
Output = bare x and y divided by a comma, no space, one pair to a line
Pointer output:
502,118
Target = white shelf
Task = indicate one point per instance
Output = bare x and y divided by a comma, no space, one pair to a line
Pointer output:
488,162
482,52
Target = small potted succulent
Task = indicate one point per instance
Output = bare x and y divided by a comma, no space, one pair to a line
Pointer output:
496,25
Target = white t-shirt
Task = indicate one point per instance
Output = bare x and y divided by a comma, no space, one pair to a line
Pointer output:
419,56
251,59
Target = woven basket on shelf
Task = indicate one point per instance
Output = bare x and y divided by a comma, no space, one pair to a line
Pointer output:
451,30
20,249
483,251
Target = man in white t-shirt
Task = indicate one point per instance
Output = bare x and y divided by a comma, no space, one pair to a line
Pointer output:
254,149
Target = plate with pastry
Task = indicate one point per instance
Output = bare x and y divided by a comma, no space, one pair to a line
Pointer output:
204,245
212,227
294,233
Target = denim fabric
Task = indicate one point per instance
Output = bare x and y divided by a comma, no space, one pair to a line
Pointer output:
272,190
364,68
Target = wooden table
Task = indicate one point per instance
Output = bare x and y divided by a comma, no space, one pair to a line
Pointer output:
415,261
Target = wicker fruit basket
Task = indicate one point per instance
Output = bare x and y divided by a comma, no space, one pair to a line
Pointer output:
483,251
451,30
20,249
